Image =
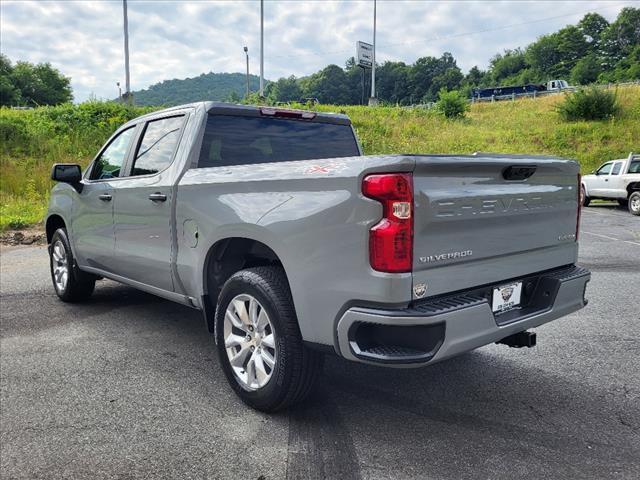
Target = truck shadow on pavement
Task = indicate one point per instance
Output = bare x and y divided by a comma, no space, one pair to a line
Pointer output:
488,414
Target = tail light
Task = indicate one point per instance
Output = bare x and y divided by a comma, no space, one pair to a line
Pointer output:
579,206
391,239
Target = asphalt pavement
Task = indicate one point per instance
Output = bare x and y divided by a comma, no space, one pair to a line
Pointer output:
128,386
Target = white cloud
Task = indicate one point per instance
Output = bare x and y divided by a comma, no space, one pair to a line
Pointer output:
173,39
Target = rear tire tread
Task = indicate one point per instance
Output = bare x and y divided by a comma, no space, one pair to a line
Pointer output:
305,365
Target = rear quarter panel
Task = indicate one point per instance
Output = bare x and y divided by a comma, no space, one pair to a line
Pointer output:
311,214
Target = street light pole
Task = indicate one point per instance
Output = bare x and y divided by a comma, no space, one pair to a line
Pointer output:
126,52
119,92
373,101
262,48
246,52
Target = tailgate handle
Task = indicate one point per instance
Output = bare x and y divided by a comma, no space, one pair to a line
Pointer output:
518,172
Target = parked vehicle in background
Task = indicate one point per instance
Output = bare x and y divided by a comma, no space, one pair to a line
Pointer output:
531,89
615,180
293,243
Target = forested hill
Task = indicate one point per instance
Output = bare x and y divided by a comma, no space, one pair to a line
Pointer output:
208,86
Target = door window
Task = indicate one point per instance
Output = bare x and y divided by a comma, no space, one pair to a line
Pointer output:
109,163
616,168
158,144
604,169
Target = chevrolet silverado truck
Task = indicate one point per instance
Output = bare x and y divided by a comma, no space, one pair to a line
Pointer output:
615,180
294,244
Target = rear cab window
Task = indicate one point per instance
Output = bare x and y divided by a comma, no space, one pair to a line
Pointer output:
157,145
246,140
616,168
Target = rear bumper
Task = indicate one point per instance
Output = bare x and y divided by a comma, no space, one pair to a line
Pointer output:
443,327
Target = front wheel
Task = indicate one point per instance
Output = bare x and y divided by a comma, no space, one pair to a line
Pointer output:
70,284
634,203
259,342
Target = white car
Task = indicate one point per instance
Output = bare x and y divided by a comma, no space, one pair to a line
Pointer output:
615,180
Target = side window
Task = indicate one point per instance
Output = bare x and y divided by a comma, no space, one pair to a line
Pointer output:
634,167
616,168
109,163
604,169
158,144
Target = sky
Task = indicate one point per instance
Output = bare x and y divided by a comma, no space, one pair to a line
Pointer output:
179,39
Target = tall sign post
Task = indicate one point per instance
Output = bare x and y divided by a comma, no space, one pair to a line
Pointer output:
127,89
373,101
364,59
262,48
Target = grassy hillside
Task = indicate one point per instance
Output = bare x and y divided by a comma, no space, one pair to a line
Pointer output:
31,141
208,86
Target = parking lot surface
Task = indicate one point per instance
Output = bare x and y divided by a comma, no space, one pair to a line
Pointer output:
128,386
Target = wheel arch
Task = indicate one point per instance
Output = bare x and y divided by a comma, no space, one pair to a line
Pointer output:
53,223
632,187
224,258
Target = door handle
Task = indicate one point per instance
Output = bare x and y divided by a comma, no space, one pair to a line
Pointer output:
105,197
606,179
158,197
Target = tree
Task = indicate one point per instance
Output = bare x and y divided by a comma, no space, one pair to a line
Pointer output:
622,36
285,90
592,25
508,64
329,85
392,82
9,94
28,84
586,70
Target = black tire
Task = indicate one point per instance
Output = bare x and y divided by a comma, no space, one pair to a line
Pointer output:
584,198
79,285
634,203
296,367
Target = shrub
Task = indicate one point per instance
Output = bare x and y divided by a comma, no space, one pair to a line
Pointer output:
452,104
589,104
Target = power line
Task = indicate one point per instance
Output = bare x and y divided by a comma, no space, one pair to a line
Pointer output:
455,35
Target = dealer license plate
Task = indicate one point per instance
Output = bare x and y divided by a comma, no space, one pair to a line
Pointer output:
506,297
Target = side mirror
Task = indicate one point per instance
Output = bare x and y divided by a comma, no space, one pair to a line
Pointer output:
67,173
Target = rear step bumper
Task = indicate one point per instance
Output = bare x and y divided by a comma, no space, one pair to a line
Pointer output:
440,328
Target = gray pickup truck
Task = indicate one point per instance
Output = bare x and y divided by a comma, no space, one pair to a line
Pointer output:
293,244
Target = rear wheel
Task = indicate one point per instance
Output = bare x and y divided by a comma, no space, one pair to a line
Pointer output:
634,203
584,199
70,284
259,342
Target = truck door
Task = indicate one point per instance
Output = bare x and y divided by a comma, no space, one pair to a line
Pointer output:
615,189
600,183
142,205
92,227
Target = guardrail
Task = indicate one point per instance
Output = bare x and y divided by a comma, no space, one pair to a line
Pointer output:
535,94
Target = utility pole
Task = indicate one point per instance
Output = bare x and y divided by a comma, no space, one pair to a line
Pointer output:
119,92
126,53
373,101
261,48
246,52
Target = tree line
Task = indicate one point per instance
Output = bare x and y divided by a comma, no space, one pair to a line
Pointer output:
592,51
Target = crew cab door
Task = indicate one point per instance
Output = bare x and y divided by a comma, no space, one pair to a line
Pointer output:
142,205
92,225
599,185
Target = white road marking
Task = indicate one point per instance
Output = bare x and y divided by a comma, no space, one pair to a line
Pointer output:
610,238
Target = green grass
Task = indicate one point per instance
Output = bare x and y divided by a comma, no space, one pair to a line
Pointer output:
32,140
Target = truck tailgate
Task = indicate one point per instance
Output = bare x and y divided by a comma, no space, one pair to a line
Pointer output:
478,221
